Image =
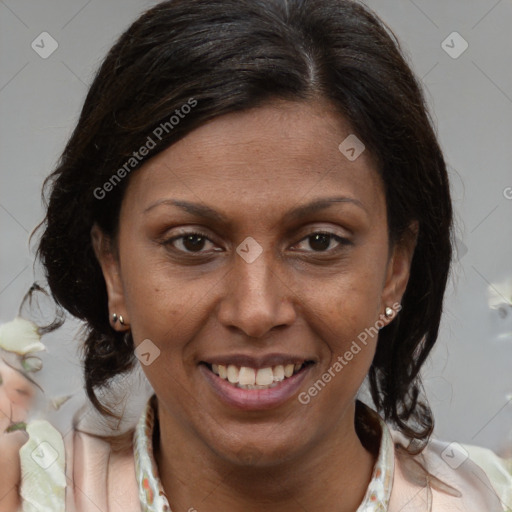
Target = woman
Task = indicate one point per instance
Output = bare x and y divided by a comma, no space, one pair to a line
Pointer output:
254,207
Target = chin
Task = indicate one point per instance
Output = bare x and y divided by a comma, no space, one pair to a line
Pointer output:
258,450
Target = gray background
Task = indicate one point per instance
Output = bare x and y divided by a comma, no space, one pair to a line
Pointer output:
469,377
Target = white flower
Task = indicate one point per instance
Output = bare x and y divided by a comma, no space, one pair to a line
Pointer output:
20,336
42,459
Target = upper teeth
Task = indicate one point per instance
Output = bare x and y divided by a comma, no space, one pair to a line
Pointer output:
249,377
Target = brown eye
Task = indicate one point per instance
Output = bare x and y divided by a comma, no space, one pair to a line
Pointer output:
192,242
321,241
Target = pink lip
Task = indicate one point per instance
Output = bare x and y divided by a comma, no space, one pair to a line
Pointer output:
254,399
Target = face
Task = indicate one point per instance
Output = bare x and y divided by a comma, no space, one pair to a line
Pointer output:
252,245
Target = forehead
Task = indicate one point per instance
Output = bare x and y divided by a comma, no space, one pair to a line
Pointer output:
283,153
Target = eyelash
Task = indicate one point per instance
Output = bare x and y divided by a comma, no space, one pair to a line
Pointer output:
342,241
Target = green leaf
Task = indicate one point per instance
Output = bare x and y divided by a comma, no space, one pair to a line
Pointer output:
21,425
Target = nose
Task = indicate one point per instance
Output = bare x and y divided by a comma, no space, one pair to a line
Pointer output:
256,298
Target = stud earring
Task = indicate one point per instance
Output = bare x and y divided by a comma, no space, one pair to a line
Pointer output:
388,312
116,317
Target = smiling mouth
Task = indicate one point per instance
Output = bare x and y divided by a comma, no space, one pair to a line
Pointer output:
244,377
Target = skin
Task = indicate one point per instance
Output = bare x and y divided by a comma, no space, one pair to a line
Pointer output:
16,396
253,167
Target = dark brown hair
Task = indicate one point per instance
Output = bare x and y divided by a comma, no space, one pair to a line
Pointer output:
232,55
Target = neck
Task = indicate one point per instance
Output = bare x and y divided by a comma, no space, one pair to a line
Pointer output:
332,474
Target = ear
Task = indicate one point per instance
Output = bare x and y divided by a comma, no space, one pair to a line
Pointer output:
109,262
398,269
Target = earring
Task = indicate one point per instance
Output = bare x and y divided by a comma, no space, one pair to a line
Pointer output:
388,312
115,318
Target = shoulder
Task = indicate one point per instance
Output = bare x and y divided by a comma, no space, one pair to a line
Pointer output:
99,473
451,476
497,469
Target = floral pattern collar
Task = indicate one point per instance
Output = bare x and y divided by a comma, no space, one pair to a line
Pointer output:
152,495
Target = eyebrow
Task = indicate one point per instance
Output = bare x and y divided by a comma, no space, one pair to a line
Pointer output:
201,210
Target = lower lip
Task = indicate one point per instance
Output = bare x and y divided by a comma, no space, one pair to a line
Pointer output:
254,399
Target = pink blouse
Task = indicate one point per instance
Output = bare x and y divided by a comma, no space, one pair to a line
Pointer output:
444,477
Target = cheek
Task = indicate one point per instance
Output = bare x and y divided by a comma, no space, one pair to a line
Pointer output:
168,306
348,303
158,306
349,337
153,294
343,312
